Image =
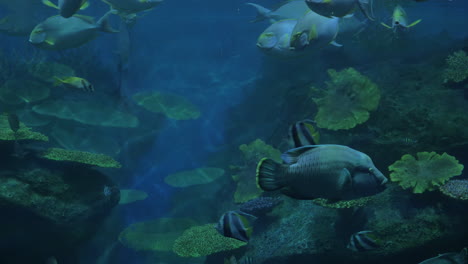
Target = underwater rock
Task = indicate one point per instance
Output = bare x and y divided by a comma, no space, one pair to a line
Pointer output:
49,210
425,173
260,206
347,101
15,92
171,105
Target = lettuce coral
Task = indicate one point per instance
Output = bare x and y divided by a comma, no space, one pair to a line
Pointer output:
425,173
100,160
457,70
199,241
24,133
347,100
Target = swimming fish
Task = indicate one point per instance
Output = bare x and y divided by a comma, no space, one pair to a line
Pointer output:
290,10
127,9
58,32
321,171
400,19
275,39
236,224
449,258
68,7
363,241
303,133
75,82
314,31
340,8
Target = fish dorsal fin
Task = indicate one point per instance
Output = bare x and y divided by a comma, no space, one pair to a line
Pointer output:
414,23
49,3
84,5
334,43
86,18
291,156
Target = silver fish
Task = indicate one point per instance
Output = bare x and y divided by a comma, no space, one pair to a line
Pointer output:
325,171
449,258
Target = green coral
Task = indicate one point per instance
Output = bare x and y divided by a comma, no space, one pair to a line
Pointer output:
247,187
171,105
23,133
457,67
100,160
347,101
426,173
199,241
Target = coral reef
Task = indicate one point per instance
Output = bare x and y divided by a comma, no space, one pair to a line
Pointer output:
130,196
24,133
457,69
260,206
155,235
194,177
171,105
347,101
457,189
94,159
425,173
247,188
203,240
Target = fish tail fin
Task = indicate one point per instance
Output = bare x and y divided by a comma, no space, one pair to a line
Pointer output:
58,81
50,4
385,25
84,5
103,22
367,8
261,12
270,175
414,23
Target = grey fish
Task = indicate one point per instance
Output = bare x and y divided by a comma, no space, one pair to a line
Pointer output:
340,8
58,32
236,225
325,171
363,241
449,258
303,133
67,7
274,41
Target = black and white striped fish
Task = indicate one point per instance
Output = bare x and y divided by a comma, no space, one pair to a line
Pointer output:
236,224
363,241
303,133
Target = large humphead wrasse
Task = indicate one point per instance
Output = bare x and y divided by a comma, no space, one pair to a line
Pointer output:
322,171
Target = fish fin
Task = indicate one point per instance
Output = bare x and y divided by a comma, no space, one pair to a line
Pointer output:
349,15
334,43
414,23
270,175
344,179
84,5
367,11
261,12
58,81
291,156
86,18
385,25
50,4
104,25
50,42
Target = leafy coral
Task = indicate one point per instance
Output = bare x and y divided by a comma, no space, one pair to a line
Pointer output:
171,105
425,173
154,235
24,133
347,101
100,160
203,240
129,196
457,67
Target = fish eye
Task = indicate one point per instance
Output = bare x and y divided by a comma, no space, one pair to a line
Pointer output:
397,23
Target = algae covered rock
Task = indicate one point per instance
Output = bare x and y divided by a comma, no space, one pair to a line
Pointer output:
171,105
199,241
347,101
87,112
155,235
426,172
88,158
15,92
194,177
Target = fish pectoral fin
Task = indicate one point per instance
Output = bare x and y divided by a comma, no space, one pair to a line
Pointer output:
291,156
414,23
50,4
50,42
334,43
366,7
344,179
385,25
84,5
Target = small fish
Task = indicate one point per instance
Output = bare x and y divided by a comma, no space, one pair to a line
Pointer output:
363,241
449,258
13,122
321,171
341,8
400,19
75,82
57,32
236,225
68,7
303,133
